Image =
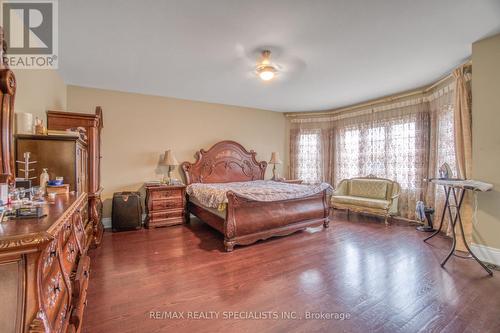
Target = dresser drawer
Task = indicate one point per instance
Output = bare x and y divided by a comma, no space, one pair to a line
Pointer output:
49,258
78,229
67,231
167,194
166,215
163,204
88,235
81,280
54,294
69,254
85,213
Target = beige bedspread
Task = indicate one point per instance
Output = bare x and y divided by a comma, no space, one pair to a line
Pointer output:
214,194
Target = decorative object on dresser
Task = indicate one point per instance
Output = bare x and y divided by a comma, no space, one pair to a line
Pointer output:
170,162
44,179
275,160
24,123
126,211
58,189
165,205
25,167
245,221
39,128
93,124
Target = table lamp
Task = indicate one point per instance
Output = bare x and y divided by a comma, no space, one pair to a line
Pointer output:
274,160
170,161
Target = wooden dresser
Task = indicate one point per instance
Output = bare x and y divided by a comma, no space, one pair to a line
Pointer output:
93,123
44,269
62,156
165,205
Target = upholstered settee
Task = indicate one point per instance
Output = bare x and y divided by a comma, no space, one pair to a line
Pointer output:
369,194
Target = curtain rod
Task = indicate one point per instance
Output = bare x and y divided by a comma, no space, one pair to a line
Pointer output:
386,99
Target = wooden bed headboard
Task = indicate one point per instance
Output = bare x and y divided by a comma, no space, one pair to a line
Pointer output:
226,161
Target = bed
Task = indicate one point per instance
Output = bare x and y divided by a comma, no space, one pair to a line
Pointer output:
242,219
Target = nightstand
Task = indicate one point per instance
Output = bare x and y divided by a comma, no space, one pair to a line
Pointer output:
165,205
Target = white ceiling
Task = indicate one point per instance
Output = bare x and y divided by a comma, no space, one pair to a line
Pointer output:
344,51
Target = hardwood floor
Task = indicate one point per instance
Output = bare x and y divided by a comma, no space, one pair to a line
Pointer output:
384,278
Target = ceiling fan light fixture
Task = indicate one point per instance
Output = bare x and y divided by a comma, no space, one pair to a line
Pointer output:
266,73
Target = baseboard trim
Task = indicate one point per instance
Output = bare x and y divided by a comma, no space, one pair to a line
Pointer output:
487,254
106,221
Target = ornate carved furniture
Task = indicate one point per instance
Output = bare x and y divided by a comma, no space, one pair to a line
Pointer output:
63,156
165,205
93,123
7,93
44,269
369,194
247,221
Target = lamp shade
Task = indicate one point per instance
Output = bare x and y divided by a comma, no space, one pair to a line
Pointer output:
169,158
275,159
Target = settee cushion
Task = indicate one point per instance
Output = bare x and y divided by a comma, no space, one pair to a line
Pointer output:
362,202
368,188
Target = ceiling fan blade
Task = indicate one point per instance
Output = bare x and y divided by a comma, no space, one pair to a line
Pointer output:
245,56
291,64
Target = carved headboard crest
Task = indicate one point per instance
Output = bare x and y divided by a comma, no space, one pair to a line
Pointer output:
226,161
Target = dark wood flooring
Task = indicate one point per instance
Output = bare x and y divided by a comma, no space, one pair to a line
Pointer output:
384,278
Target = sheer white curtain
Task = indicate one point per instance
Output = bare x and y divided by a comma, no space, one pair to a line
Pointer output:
442,148
405,140
388,144
311,145
309,152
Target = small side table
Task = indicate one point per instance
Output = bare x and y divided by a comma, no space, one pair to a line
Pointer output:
456,189
165,205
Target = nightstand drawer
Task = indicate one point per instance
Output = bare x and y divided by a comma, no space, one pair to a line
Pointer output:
162,204
166,214
167,194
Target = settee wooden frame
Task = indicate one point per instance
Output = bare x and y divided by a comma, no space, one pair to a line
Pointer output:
369,210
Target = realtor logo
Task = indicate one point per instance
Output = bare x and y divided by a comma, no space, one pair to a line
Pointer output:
30,31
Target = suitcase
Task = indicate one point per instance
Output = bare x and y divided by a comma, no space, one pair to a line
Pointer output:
126,211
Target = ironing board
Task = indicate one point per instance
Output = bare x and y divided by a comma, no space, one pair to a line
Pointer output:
456,190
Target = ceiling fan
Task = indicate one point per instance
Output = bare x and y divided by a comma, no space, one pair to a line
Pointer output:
265,69
270,65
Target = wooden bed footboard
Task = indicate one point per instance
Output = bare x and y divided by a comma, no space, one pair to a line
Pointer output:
248,221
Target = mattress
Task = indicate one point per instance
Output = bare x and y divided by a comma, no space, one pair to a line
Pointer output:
213,195
219,213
